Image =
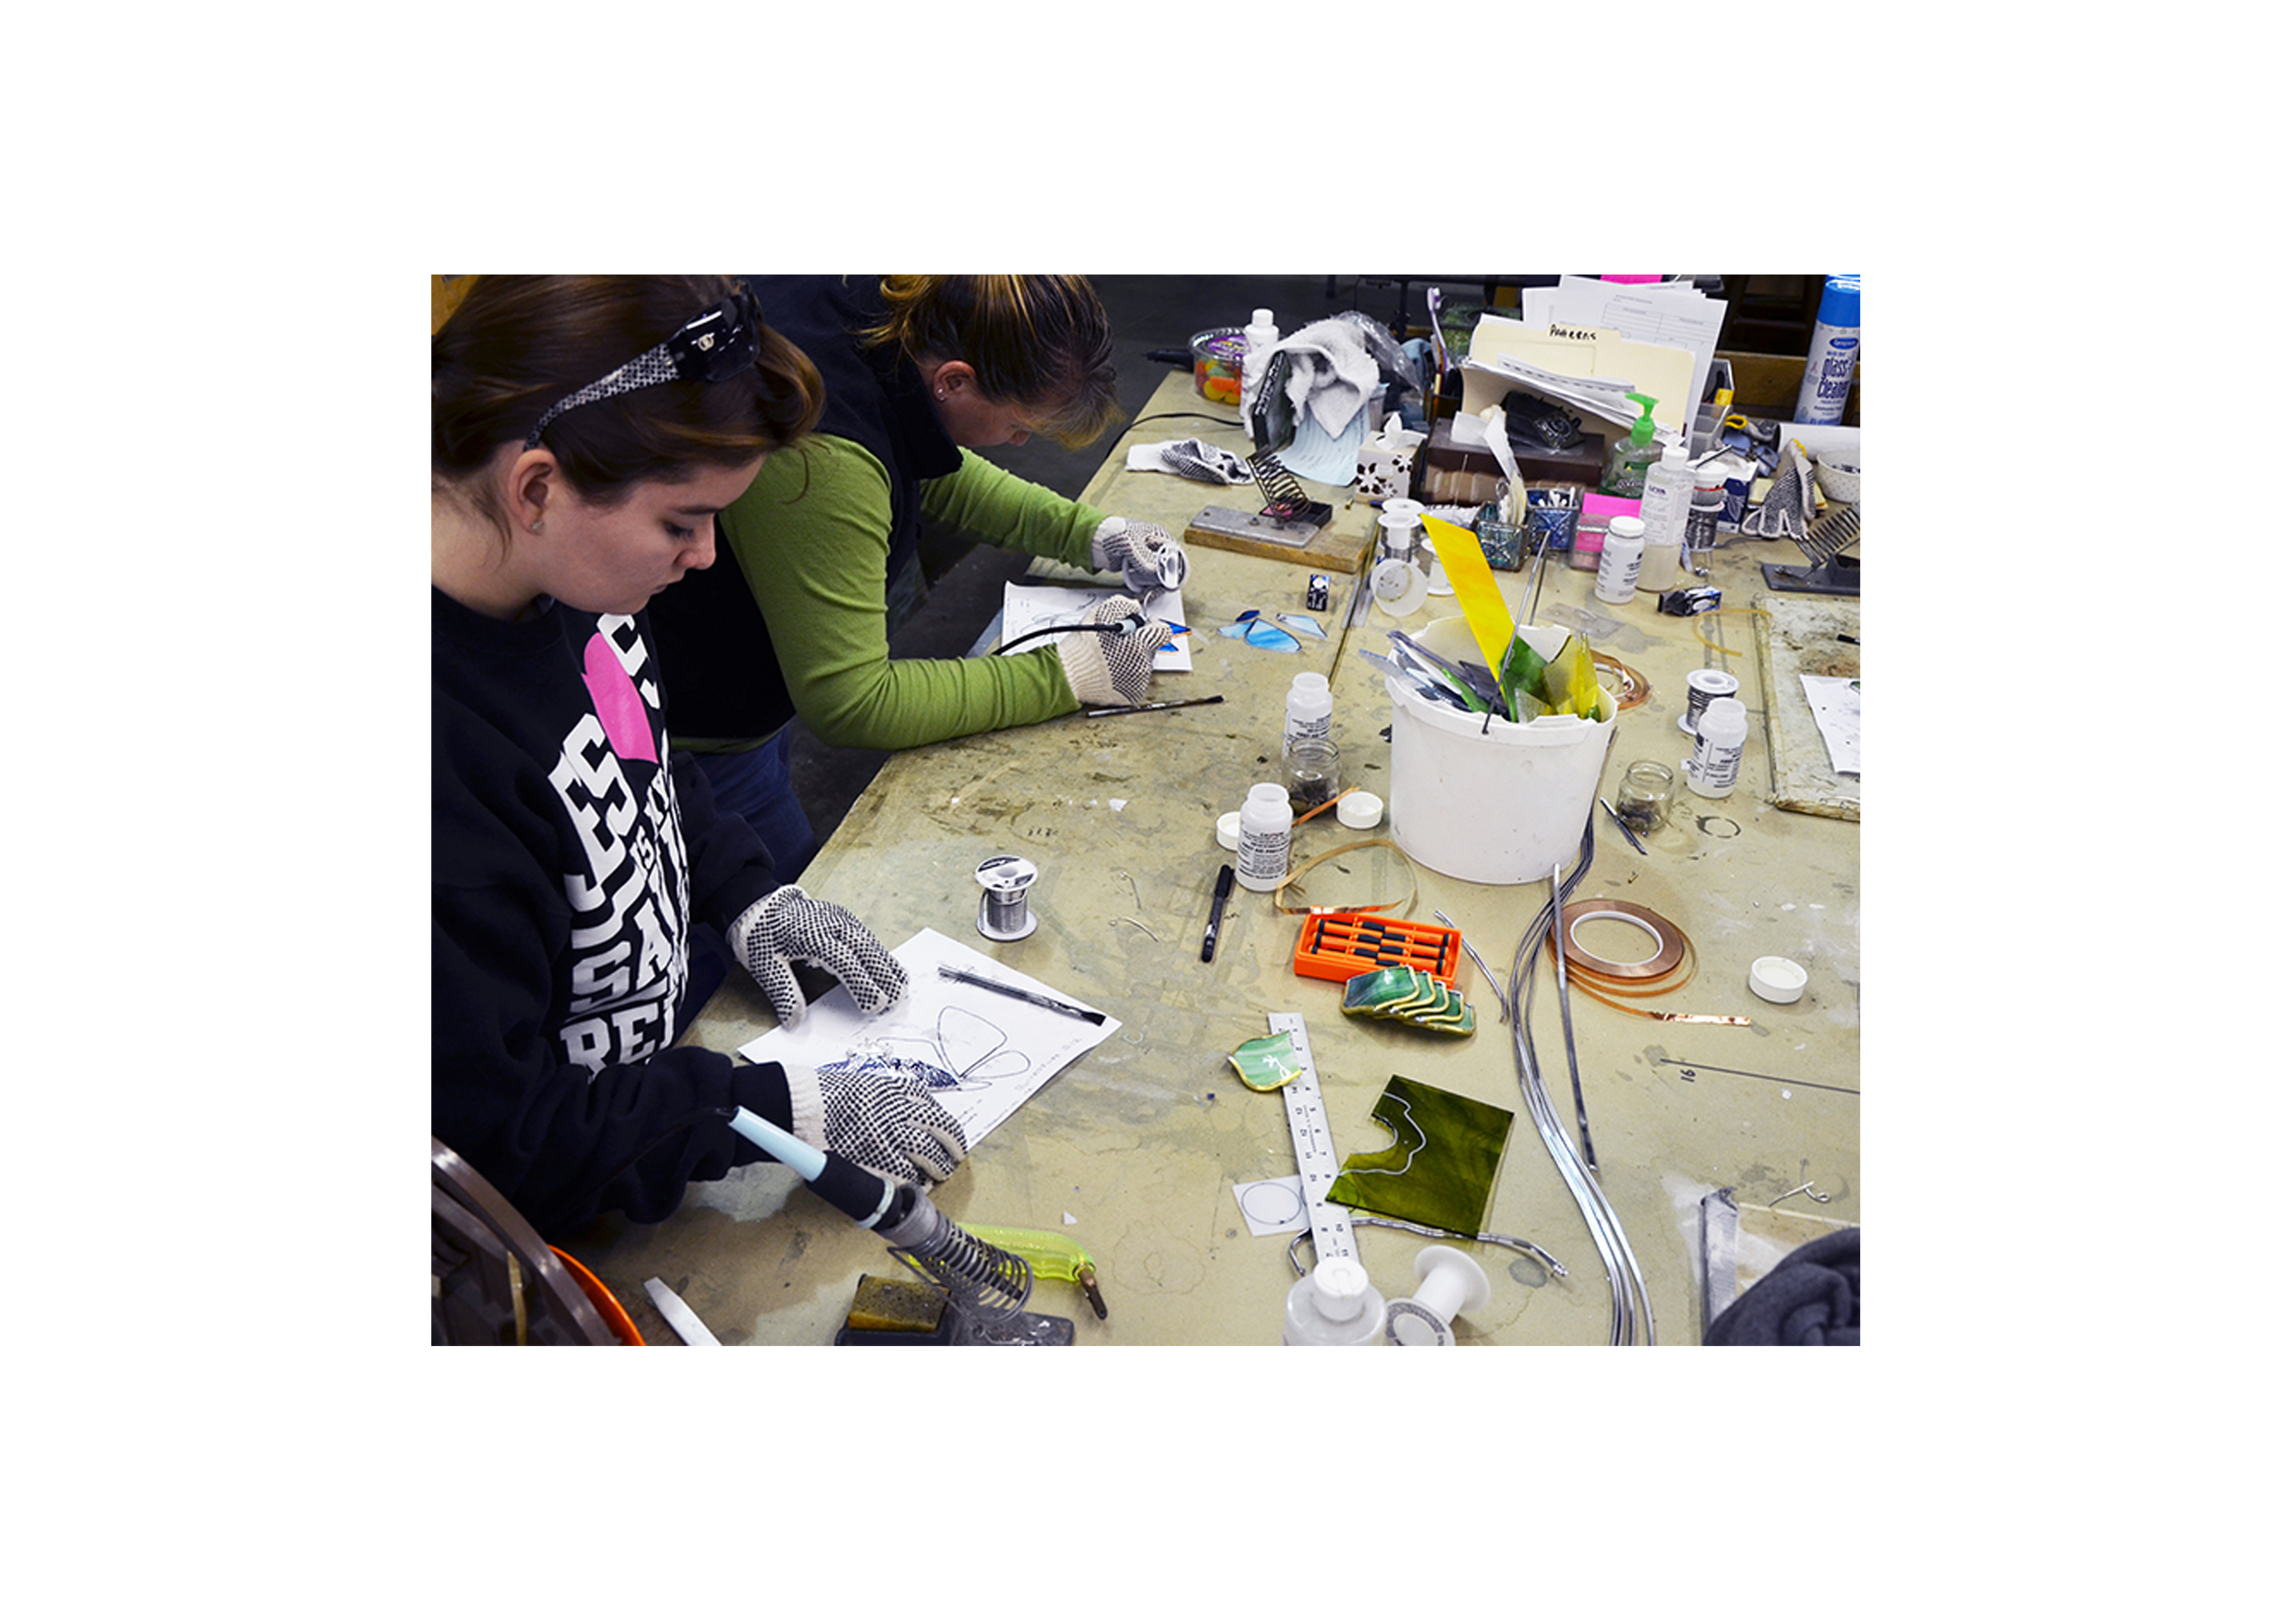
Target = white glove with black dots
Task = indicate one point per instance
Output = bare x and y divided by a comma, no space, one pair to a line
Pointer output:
789,927
1108,667
1148,558
881,1113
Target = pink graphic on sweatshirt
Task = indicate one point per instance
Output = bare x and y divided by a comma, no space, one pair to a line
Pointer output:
618,705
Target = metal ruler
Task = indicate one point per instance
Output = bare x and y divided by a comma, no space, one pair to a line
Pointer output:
1315,1148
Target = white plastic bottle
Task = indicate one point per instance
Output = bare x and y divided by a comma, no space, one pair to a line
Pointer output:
1310,708
1266,822
1834,358
1333,1306
1618,565
1257,339
1667,503
1722,740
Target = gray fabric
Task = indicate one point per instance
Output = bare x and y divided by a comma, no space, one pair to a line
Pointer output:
1810,1300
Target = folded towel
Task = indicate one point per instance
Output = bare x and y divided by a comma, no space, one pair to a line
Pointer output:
1810,1300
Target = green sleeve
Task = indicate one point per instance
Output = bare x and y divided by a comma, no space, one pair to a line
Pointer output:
985,503
812,535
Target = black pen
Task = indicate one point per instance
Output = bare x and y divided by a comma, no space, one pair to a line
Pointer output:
1215,914
969,978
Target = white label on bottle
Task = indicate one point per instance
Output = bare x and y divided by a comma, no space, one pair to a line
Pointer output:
1309,727
1714,767
1262,857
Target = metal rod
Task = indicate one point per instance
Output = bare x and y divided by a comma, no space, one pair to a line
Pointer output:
1565,1011
1493,983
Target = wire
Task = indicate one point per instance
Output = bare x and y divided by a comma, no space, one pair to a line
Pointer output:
1622,1272
1121,626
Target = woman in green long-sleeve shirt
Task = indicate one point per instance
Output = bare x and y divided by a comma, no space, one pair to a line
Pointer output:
794,619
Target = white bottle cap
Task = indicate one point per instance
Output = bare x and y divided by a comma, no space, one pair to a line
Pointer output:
1777,980
1359,810
1340,1286
1263,317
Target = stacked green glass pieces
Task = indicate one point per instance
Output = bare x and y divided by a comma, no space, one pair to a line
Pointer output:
1416,997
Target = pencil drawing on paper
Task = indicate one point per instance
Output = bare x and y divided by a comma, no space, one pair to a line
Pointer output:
964,1052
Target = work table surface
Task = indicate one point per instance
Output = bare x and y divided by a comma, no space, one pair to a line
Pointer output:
1135,1150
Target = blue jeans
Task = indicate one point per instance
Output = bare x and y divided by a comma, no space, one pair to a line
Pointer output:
757,786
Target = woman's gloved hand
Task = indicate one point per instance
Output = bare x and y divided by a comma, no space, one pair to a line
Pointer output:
789,927
1148,558
1113,668
883,1113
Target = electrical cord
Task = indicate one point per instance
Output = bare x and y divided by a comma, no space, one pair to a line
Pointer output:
1121,626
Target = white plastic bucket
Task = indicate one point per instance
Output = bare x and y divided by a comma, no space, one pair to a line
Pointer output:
1495,801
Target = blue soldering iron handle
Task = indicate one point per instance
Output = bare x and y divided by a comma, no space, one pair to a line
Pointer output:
841,1183
991,1281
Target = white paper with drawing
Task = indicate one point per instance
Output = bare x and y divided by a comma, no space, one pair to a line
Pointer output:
998,1051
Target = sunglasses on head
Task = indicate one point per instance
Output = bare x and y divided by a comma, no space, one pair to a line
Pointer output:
721,344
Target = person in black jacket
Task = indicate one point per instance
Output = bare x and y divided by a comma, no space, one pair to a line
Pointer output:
584,431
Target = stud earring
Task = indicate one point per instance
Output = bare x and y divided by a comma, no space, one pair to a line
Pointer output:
535,526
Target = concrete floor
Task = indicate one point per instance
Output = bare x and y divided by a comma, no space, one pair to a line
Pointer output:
1149,313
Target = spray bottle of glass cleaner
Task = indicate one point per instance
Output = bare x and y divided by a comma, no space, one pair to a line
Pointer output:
1834,359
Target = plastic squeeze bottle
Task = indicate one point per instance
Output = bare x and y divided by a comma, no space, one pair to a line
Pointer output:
1626,462
1256,341
1667,505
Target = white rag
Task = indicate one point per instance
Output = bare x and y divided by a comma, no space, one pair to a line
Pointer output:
1330,375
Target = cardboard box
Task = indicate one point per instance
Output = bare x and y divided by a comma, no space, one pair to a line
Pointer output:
1766,385
1447,472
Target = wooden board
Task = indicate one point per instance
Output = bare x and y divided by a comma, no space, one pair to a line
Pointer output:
1796,637
1341,544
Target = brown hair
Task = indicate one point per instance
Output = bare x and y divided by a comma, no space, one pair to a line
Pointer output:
515,345
1039,341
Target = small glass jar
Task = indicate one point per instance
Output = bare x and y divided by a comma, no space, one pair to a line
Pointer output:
1641,801
1312,769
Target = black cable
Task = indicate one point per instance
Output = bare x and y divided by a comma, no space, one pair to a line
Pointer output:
1228,423
1121,626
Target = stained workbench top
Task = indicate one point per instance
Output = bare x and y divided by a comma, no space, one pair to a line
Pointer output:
1135,1150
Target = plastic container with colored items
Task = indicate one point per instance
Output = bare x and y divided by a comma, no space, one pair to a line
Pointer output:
1481,799
1216,356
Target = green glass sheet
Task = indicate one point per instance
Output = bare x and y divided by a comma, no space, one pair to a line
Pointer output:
1268,1064
1440,1169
